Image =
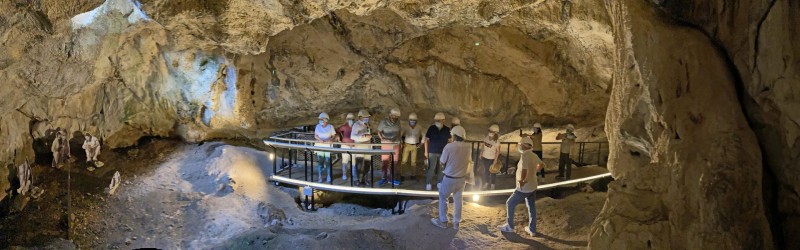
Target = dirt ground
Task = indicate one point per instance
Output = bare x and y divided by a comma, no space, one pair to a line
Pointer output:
215,195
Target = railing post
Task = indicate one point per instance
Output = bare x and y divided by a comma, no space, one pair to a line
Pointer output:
312,200
283,164
274,161
312,166
599,147
508,154
391,167
351,168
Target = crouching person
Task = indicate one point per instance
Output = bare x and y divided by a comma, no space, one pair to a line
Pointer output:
527,183
455,159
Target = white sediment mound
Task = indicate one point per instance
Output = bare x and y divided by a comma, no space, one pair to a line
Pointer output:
130,8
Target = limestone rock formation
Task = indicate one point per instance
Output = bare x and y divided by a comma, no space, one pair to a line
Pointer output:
121,69
684,184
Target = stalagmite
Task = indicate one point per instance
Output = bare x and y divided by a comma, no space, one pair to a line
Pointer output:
112,188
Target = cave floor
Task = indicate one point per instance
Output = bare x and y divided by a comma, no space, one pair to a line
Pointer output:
174,195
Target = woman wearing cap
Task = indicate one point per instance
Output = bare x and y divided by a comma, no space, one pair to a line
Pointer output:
324,133
564,162
489,155
389,132
344,134
536,137
362,134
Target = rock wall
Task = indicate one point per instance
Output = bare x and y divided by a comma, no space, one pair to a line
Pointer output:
696,83
757,37
123,69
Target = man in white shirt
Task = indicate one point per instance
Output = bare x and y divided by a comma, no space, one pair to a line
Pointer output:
412,143
527,167
455,159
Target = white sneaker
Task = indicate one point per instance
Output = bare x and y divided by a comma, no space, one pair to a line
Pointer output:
428,187
438,223
492,187
455,226
528,230
505,228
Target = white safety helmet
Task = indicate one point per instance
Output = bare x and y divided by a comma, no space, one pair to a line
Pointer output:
537,125
459,131
350,116
363,113
412,116
439,116
494,128
570,128
526,140
324,116
395,112
456,121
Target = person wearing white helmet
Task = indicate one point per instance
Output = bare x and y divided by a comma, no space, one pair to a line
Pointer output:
411,145
362,134
490,152
536,137
325,134
455,159
344,133
389,132
564,162
527,167
436,138
455,122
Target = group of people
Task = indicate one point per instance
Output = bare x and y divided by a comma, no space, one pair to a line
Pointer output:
407,139
455,158
445,148
61,151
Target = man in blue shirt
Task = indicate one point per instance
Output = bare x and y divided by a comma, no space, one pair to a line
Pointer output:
435,139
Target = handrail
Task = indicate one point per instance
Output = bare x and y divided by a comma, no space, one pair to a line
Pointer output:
335,143
420,193
279,137
329,149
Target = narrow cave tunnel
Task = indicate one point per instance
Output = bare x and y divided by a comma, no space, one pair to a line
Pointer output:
694,102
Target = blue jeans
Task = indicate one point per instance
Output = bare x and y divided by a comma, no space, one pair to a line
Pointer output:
433,168
530,201
324,164
449,187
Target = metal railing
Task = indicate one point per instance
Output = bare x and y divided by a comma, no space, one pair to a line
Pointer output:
582,160
291,145
294,144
